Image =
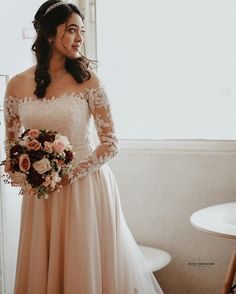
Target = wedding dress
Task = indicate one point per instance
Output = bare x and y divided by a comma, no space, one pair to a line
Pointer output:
76,241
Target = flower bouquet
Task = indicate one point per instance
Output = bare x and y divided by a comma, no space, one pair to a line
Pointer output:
37,160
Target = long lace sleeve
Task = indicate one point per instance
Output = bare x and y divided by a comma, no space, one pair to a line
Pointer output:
108,147
13,126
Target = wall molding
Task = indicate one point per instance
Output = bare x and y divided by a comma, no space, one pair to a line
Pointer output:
178,146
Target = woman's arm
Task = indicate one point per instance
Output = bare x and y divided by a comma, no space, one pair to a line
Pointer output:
13,126
108,147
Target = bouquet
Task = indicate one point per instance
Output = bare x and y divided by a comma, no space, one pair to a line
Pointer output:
37,160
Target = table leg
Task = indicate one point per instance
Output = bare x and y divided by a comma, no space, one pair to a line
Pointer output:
230,275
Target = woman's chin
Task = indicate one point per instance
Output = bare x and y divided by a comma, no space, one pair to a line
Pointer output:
74,55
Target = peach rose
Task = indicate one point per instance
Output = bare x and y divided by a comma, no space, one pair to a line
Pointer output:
7,165
42,165
24,163
32,192
58,146
61,162
47,181
29,191
48,147
33,145
18,179
33,133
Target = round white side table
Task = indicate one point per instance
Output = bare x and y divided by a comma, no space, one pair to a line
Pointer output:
219,220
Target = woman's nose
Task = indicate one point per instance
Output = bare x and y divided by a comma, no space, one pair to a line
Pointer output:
78,37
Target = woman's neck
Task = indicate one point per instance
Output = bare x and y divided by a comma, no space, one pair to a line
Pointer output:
56,65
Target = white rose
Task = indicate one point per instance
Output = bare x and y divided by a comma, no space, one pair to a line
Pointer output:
42,165
64,140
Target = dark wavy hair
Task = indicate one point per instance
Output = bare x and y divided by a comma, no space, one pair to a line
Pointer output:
46,27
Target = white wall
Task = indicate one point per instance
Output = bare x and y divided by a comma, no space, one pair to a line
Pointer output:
15,56
15,16
15,50
161,184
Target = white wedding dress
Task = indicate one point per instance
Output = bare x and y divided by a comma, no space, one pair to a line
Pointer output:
77,241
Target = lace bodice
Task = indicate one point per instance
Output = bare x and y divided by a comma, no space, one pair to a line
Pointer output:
71,115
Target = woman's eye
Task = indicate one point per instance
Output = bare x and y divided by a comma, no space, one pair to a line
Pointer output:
72,30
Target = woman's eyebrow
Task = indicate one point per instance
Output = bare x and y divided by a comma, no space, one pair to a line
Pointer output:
75,25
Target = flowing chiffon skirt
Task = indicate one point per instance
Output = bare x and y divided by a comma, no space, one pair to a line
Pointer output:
78,242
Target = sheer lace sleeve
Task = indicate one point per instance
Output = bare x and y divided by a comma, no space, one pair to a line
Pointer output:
108,147
13,126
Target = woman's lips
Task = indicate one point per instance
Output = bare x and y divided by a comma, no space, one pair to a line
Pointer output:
75,47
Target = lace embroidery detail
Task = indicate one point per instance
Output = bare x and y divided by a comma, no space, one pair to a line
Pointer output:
99,106
108,147
80,95
13,125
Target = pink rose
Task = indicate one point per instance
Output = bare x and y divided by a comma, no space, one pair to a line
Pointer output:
33,133
58,146
33,145
24,162
42,165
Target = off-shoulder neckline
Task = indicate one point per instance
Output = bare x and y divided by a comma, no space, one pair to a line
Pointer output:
59,97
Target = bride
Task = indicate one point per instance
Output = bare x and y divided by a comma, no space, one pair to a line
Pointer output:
76,241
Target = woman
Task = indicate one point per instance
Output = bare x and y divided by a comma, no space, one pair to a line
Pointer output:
76,241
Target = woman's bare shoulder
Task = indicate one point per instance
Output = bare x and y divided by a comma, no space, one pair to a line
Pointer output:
18,83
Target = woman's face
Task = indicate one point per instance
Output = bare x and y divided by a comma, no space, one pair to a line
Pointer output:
69,37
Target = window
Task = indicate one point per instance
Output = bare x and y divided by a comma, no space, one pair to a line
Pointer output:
170,67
